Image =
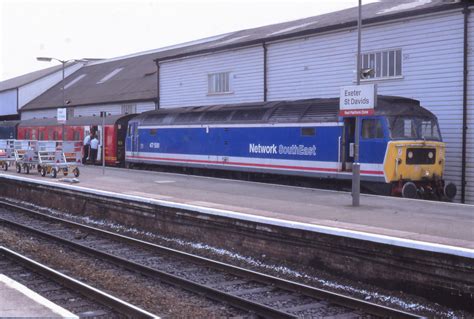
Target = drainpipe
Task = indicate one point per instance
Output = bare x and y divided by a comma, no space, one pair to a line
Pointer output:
157,84
466,12
265,89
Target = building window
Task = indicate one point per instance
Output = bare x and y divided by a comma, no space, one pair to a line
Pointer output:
69,113
129,108
386,64
218,83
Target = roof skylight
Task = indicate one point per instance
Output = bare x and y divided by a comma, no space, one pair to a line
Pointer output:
74,81
110,75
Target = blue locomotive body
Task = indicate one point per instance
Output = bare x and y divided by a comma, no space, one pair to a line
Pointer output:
305,138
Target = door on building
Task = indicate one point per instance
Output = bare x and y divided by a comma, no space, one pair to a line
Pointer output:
348,139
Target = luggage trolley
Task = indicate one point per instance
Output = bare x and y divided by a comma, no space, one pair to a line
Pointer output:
52,159
26,155
7,154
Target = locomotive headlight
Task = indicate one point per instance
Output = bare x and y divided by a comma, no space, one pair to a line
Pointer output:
427,173
430,155
410,154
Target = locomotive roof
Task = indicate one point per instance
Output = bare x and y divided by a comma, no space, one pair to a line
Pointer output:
308,110
75,121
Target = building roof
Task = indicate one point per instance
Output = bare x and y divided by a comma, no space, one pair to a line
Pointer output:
24,79
133,77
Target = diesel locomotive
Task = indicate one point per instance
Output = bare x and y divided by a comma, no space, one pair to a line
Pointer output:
401,149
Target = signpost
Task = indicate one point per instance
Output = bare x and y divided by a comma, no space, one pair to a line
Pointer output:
103,115
357,100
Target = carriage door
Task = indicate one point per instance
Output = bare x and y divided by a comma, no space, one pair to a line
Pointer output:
348,139
134,138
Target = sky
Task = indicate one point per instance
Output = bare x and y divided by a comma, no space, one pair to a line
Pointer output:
75,29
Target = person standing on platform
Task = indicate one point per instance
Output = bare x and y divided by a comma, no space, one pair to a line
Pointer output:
94,148
86,148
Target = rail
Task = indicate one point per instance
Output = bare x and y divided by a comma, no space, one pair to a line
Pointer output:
197,273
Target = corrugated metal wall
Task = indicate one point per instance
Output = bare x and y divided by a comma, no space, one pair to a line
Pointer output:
92,110
50,113
470,115
8,101
184,82
432,70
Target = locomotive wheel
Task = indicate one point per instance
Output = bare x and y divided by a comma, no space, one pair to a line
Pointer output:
54,173
450,190
18,168
76,172
409,190
43,171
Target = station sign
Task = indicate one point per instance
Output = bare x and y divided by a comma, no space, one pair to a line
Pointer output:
357,100
62,115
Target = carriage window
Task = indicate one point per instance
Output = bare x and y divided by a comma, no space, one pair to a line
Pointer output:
372,128
77,135
41,136
153,132
27,135
55,135
308,131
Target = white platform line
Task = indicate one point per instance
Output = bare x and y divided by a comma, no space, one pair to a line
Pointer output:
382,239
77,282
30,294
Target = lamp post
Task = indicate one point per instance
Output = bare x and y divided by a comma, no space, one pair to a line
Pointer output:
63,62
356,164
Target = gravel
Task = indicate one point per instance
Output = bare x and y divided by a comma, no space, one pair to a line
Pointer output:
155,297
278,268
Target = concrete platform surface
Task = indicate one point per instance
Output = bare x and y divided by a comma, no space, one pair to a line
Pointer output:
420,220
17,301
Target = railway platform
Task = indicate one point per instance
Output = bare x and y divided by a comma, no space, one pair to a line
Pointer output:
418,246
16,300
397,220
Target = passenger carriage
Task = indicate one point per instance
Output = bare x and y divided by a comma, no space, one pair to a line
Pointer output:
76,128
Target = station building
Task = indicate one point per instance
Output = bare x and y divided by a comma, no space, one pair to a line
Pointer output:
417,49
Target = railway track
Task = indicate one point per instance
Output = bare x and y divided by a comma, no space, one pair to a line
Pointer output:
257,293
80,299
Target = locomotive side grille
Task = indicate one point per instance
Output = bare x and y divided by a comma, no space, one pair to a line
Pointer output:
249,115
421,156
288,113
188,117
155,118
321,112
216,116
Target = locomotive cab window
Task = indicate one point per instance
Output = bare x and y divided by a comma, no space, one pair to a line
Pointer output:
308,131
414,128
372,128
